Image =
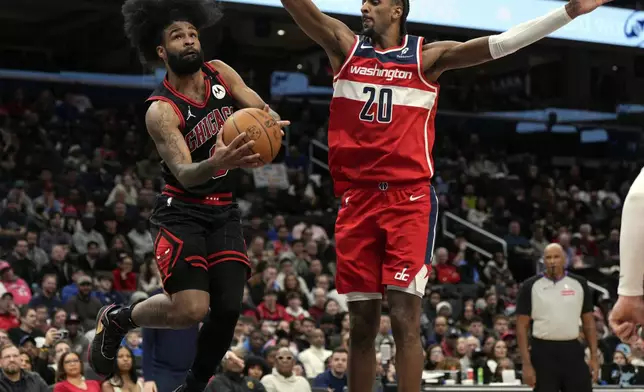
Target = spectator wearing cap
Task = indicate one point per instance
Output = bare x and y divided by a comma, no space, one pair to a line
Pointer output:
48,295
13,378
314,358
86,234
22,265
27,326
79,343
8,312
449,342
14,284
335,377
54,235
553,303
84,304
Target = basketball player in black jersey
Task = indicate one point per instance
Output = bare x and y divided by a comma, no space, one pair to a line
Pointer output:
199,245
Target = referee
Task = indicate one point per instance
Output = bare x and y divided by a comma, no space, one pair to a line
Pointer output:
553,303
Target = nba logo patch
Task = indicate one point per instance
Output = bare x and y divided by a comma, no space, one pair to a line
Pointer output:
218,91
567,292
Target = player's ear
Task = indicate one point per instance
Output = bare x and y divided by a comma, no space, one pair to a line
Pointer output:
161,52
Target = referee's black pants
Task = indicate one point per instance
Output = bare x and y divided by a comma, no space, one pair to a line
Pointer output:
560,366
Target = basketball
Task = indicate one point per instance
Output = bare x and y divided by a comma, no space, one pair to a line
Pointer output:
258,126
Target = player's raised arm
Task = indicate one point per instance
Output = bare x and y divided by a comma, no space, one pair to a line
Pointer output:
334,36
442,56
245,96
163,126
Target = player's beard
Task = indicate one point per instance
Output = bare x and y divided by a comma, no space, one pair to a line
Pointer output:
182,64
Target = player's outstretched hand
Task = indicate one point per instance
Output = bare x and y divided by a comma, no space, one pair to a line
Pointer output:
280,122
235,155
626,316
580,7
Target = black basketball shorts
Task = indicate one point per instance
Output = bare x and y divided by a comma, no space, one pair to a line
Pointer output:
191,238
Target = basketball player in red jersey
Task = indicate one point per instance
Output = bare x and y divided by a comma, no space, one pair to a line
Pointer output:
381,134
199,246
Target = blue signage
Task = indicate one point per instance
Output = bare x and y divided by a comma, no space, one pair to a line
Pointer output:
606,25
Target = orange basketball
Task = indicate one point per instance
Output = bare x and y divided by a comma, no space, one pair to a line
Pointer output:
258,126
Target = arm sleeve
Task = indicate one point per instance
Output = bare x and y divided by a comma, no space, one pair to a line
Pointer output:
631,246
524,300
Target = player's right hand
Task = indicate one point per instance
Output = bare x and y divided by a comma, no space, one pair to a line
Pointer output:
149,386
529,376
626,316
235,155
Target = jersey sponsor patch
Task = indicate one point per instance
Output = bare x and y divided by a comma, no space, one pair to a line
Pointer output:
218,91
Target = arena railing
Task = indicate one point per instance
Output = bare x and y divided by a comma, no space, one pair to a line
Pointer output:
464,224
315,147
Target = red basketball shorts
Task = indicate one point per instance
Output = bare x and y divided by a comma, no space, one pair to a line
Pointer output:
385,240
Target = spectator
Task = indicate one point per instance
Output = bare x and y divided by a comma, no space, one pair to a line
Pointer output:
496,271
48,295
124,277
55,234
84,304
26,364
70,375
9,313
334,378
124,376
149,278
270,310
294,308
93,262
34,252
88,234
27,326
22,265
106,293
78,342
14,284
256,367
59,266
12,373
319,300
232,379
282,378
141,239
445,271
313,358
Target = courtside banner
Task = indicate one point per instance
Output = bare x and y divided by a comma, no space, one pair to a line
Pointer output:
606,25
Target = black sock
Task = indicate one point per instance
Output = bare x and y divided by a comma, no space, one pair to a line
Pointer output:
123,317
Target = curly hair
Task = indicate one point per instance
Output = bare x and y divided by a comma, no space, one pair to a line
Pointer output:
145,21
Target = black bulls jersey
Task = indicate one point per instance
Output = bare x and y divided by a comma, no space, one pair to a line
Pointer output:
200,123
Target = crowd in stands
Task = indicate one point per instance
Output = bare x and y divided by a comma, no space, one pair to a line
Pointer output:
78,183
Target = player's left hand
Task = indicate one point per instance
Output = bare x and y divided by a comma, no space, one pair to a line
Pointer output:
281,123
625,316
594,368
577,8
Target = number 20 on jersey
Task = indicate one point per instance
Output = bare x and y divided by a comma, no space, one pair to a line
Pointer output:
382,109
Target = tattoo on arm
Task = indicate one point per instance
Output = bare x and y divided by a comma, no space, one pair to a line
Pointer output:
163,127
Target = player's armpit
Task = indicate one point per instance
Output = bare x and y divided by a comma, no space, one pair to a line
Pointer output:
335,37
245,96
442,56
163,126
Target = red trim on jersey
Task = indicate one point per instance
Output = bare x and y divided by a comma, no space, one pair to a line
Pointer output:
219,78
173,189
421,73
393,49
187,99
174,106
348,59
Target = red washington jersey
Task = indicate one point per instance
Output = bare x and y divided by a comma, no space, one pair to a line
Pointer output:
381,124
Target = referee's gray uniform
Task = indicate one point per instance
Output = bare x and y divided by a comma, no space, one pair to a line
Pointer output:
555,309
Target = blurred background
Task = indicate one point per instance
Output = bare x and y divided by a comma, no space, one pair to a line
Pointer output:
534,148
